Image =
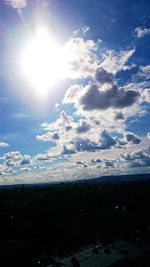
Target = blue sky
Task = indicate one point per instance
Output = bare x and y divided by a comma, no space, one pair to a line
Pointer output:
74,89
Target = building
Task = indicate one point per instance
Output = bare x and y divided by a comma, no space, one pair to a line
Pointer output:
120,254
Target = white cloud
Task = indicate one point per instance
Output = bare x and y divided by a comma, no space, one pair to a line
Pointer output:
5,170
82,58
12,155
139,158
68,149
141,31
55,130
83,126
81,31
13,160
106,140
72,94
11,163
148,135
108,164
143,74
116,61
145,69
17,3
49,136
146,95
43,157
3,144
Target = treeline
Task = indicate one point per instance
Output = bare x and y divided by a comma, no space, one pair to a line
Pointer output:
55,220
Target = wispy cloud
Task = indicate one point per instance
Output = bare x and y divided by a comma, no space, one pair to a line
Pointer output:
141,31
18,4
116,61
81,31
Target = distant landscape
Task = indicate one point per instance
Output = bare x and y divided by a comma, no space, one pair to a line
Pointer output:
102,179
55,220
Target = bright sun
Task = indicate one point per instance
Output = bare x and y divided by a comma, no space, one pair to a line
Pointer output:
44,62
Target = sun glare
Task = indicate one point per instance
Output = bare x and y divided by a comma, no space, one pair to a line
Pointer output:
44,62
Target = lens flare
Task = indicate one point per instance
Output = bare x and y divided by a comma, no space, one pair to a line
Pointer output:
44,62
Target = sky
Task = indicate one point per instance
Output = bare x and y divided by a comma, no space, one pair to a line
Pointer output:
74,89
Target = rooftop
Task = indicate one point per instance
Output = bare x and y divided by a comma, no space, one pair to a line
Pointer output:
100,256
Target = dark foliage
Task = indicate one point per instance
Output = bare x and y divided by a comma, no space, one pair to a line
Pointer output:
36,222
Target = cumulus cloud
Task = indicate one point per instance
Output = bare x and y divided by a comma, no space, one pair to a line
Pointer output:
72,94
55,136
60,130
83,126
26,160
106,140
103,76
104,163
43,156
86,57
49,136
148,135
12,155
16,3
64,119
140,158
145,95
97,98
3,144
79,144
141,31
5,170
101,94
82,144
132,138
83,58
99,104
13,160
68,149
63,124
10,163
119,116
108,164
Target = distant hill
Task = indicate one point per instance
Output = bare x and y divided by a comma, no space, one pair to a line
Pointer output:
118,178
103,179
